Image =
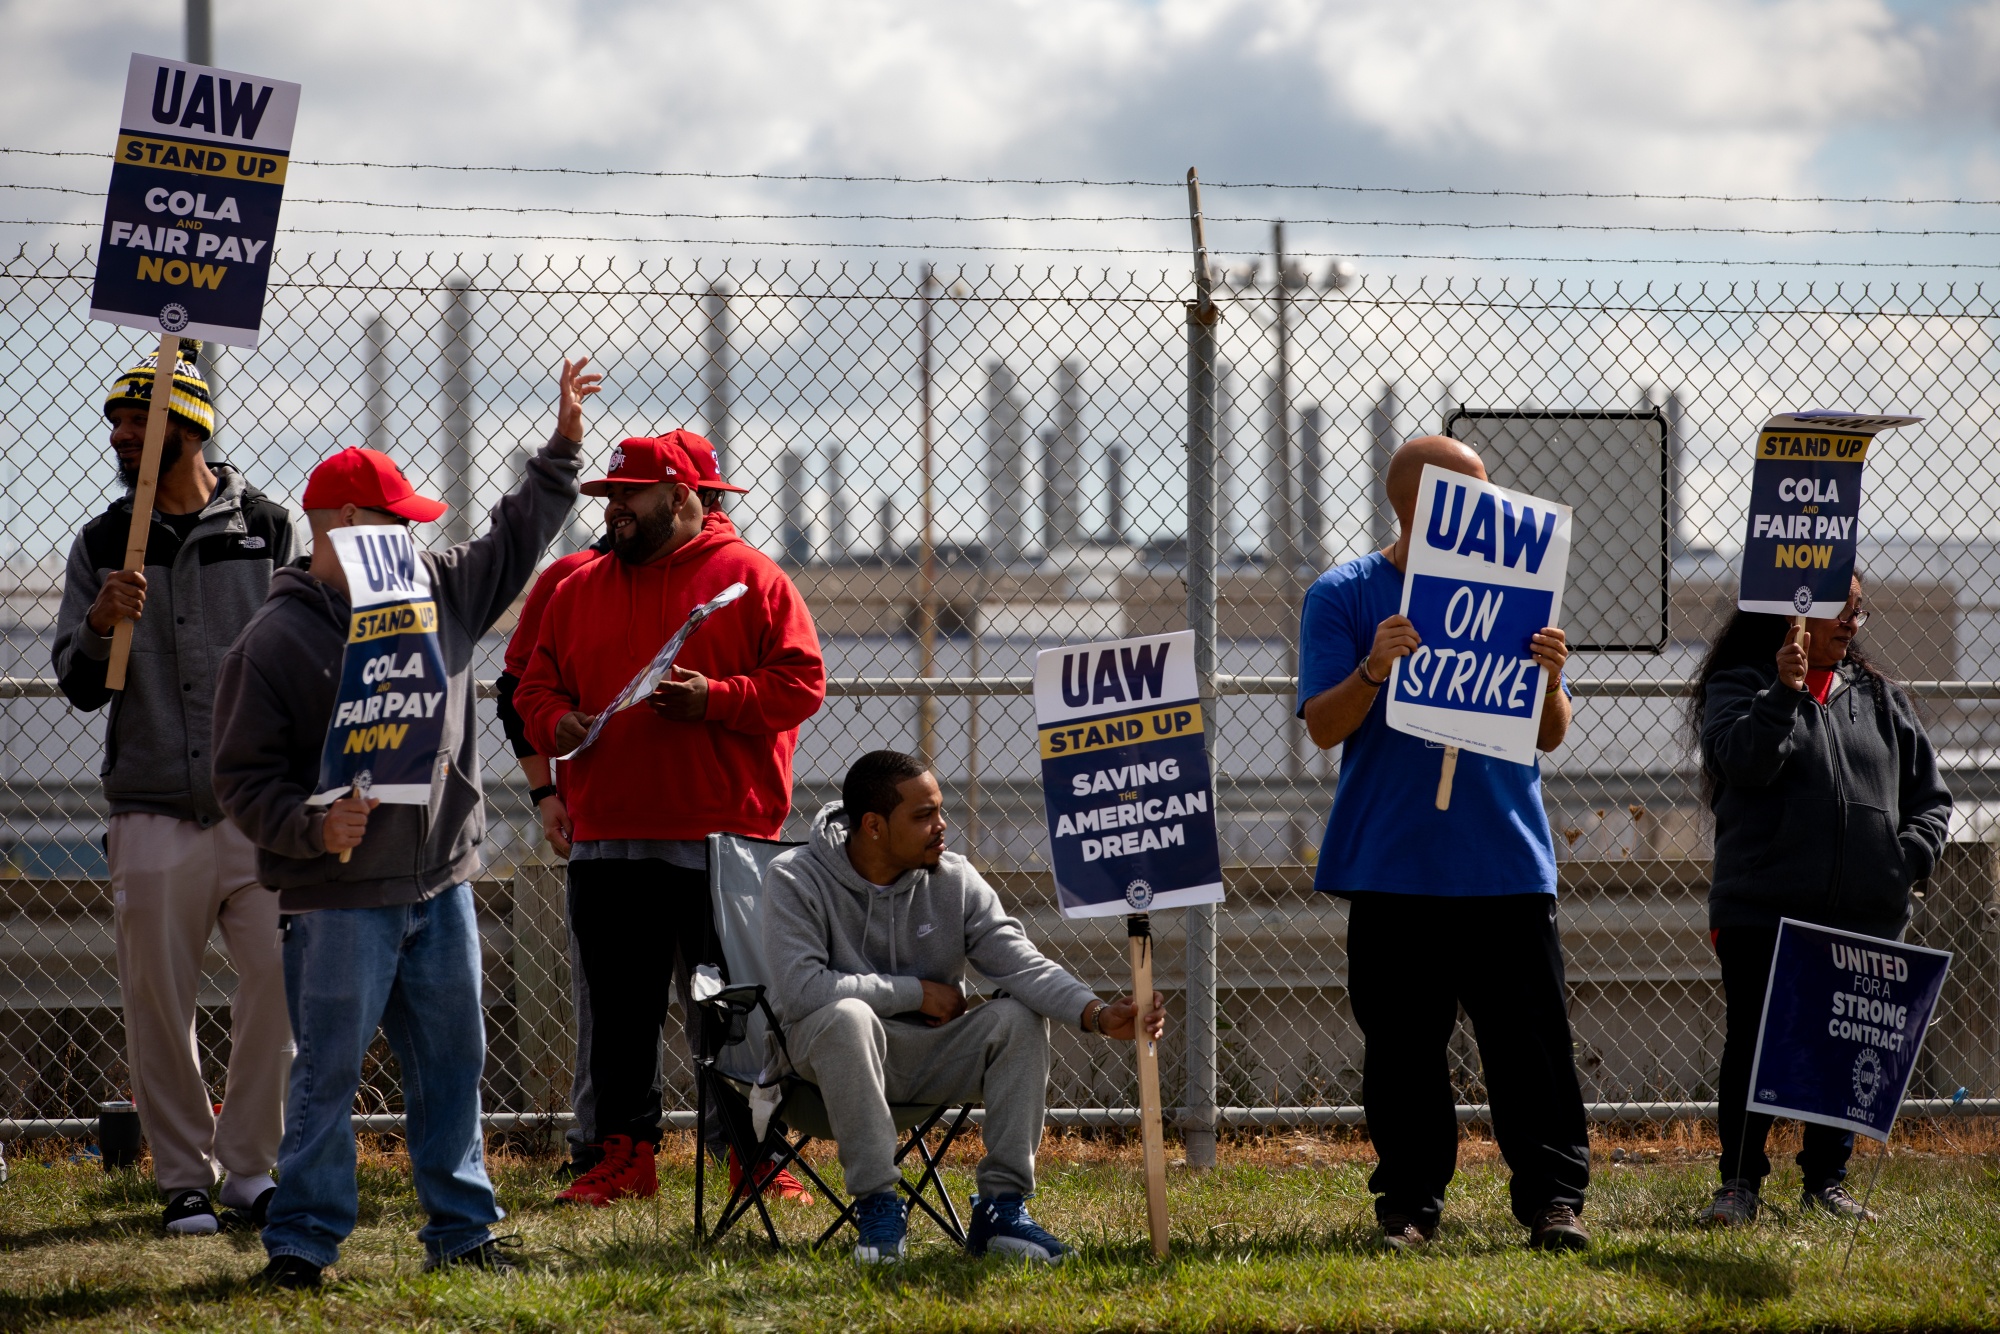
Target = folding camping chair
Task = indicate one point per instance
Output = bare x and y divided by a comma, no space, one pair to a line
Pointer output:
743,1064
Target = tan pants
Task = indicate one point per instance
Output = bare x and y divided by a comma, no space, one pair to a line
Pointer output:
173,883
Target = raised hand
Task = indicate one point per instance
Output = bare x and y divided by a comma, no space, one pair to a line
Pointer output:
576,386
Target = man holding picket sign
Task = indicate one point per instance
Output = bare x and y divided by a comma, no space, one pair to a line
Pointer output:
356,678
1451,885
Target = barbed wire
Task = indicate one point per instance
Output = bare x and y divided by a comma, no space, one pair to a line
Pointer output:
1173,219
982,248
854,178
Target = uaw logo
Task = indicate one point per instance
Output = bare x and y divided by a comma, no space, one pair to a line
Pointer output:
1867,1077
617,458
1140,895
1802,600
173,317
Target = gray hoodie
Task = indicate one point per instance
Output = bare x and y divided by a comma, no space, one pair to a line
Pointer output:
275,693
840,936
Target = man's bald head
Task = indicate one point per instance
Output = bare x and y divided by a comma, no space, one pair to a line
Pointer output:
1406,469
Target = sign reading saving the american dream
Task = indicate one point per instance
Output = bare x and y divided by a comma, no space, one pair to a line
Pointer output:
1844,1018
1125,776
1805,504
192,211
1486,569
388,719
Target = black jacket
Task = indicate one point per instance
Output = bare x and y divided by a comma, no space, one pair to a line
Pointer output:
1827,813
275,693
199,595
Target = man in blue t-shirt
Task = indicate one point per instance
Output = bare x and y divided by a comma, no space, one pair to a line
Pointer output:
1446,908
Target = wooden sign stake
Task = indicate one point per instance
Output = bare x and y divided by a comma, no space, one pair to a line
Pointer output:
1445,776
1139,927
142,496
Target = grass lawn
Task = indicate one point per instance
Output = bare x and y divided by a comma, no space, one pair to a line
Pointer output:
1276,1238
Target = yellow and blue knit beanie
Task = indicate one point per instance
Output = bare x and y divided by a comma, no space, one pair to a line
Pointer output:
190,404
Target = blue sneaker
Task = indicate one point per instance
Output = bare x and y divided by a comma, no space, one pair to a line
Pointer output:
1002,1224
883,1224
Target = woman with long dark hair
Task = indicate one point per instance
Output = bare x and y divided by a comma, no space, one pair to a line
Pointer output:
1828,807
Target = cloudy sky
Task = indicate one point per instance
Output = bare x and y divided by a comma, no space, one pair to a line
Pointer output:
1756,97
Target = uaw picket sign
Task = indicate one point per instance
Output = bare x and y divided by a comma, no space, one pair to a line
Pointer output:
1805,507
192,211
1844,1018
1486,570
1125,778
388,719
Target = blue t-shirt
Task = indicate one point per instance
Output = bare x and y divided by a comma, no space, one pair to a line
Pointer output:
1386,834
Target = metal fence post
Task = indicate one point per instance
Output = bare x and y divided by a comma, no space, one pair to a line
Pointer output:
458,444
1198,1117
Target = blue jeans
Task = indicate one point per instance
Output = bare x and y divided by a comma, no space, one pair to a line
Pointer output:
412,970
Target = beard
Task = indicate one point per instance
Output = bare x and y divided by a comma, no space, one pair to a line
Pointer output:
171,450
648,535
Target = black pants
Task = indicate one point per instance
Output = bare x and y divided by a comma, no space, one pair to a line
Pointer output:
638,925
1412,961
1745,954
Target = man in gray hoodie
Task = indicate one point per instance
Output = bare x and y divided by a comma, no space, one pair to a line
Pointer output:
386,937
878,925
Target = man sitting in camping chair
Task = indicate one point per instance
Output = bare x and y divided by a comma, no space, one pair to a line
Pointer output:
870,927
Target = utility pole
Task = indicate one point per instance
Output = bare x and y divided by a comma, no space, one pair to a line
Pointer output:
717,370
200,33
200,49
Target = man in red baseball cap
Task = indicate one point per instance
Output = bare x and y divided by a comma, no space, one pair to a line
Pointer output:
712,753
388,937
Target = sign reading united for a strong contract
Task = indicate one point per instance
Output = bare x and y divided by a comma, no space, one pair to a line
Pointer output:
1125,776
192,211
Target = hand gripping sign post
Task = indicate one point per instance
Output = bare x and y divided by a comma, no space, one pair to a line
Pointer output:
641,685
389,715
1805,505
1486,571
1131,813
189,222
1844,1018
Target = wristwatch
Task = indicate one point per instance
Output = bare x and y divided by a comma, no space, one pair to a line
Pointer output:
538,795
1361,670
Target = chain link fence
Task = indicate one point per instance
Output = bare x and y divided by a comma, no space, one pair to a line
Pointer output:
1054,405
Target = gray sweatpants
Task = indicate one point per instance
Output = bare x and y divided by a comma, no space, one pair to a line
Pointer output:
996,1053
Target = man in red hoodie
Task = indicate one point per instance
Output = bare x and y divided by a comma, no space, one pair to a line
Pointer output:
710,752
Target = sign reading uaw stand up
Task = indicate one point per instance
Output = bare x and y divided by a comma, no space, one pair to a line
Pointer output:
1805,504
192,212
1125,776
1844,1018
388,719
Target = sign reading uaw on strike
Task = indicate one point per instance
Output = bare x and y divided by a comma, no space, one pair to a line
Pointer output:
192,212
388,719
1805,503
1486,571
1844,1018
1125,776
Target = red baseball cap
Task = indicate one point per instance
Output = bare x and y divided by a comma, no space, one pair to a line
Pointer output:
369,479
642,461
706,465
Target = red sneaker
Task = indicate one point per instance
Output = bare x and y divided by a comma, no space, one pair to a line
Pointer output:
627,1172
783,1186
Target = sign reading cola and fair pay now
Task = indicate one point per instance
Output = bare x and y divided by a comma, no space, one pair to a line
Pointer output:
1486,570
1805,504
1125,776
192,212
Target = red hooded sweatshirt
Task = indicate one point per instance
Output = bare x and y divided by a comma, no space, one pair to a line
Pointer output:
646,777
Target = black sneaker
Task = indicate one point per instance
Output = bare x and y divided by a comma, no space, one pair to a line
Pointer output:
292,1272
1835,1200
253,1218
190,1214
489,1255
1735,1204
1556,1229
